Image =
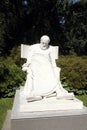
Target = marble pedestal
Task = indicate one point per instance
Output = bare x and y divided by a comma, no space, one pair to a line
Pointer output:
35,118
49,104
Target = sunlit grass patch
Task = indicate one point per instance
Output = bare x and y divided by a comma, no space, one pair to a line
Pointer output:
5,104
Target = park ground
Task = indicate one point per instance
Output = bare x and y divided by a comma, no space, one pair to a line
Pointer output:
6,104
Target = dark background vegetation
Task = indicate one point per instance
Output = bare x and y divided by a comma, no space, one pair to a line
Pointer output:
26,21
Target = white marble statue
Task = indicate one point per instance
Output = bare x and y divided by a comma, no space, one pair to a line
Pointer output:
43,79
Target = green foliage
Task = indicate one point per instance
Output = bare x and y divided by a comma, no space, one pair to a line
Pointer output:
3,29
15,56
76,28
83,98
11,78
74,73
26,24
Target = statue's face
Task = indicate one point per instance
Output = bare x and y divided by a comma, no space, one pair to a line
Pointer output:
44,44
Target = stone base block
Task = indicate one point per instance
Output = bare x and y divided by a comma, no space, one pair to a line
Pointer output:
71,119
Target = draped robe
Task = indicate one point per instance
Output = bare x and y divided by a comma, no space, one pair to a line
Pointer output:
41,77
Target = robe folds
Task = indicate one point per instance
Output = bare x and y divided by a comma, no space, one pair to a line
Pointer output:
42,74
41,78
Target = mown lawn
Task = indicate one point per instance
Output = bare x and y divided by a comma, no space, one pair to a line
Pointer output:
5,104
83,98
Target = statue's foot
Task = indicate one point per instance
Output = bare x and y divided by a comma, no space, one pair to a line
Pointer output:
68,96
34,98
51,95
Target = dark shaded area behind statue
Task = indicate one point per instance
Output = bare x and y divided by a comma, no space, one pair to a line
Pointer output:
25,21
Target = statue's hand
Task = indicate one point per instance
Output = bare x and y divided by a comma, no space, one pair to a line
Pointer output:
25,66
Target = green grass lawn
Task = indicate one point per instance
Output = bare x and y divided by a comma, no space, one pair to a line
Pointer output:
83,98
5,104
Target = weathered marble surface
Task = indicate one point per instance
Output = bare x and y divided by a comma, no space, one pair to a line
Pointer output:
43,75
49,104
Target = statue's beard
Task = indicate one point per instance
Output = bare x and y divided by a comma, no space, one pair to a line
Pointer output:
44,47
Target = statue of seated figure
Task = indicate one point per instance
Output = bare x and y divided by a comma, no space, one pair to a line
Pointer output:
43,76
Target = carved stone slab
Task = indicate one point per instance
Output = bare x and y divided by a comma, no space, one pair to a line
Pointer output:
71,119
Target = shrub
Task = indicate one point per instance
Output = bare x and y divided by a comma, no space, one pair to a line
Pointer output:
15,56
11,77
74,69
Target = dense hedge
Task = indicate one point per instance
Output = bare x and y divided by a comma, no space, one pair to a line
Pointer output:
11,77
74,73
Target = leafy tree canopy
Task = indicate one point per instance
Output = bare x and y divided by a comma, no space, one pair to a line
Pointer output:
25,21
